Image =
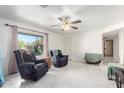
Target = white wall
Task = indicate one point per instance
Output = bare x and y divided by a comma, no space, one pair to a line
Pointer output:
121,46
55,40
78,43
116,49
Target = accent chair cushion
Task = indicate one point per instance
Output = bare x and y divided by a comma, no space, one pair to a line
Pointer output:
93,57
60,54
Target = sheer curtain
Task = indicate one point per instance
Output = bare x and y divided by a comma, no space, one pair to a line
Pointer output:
13,46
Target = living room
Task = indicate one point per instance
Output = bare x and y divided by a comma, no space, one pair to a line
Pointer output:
75,31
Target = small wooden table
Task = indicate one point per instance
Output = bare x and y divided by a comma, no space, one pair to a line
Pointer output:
48,61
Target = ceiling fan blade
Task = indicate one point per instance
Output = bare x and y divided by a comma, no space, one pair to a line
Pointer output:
54,25
60,18
74,27
77,21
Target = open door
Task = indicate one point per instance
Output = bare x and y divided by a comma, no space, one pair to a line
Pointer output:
108,48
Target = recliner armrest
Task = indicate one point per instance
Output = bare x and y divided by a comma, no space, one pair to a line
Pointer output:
39,61
65,55
40,65
28,64
27,68
62,58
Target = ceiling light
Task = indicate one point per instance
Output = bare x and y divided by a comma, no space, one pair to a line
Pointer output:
66,27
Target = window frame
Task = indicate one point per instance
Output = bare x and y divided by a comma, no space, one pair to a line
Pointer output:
33,34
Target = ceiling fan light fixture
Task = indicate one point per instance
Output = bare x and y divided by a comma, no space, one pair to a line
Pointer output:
65,27
67,24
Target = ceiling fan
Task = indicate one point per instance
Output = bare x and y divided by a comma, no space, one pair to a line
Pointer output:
67,23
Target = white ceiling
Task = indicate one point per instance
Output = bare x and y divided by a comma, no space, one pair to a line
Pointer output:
93,17
113,34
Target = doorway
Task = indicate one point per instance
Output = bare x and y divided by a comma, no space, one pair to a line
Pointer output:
111,47
108,48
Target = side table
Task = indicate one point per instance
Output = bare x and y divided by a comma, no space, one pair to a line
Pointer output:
48,61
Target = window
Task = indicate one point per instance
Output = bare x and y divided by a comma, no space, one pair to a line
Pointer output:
31,43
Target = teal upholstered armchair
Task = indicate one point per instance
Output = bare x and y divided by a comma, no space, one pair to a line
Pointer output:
1,71
93,58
